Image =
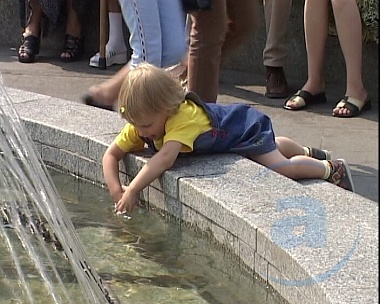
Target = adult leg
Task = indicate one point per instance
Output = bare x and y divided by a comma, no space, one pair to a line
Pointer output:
214,35
173,29
116,51
241,24
157,31
316,31
73,44
349,29
32,32
142,18
179,70
275,54
207,34
33,26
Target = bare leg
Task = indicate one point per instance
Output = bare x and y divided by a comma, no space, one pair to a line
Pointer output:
73,26
34,26
349,29
30,45
288,147
297,167
316,31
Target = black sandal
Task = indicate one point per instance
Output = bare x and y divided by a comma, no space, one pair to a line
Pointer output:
73,47
29,48
303,98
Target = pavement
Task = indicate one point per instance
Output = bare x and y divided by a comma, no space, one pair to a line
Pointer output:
355,139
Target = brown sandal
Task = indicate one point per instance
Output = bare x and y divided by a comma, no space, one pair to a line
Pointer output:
73,47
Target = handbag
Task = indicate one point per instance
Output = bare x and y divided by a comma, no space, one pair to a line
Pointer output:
196,5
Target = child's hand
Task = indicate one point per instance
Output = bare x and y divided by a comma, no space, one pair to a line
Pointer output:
127,202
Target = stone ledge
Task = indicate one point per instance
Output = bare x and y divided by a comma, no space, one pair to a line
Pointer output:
232,199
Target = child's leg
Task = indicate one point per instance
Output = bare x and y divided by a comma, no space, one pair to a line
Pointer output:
304,167
290,148
296,167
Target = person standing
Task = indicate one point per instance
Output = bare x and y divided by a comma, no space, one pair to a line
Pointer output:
215,34
348,24
33,13
116,50
157,36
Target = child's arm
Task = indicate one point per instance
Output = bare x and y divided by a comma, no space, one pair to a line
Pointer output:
111,159
158,164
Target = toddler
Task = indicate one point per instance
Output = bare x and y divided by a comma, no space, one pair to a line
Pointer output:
170,121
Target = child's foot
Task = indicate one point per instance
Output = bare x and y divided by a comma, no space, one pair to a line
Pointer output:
318,153
340,174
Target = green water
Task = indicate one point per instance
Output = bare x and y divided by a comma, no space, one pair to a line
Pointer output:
150,259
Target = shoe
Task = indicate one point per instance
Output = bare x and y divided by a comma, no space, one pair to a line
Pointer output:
303,98
73,47
29,48
355,106
276,84
111,58
340,175
319,153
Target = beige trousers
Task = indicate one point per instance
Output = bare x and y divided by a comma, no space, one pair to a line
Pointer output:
277,13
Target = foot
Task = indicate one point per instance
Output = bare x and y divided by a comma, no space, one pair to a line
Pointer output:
73,48
29,48
351,107
112,57
340,175
99,96
276,84
302,99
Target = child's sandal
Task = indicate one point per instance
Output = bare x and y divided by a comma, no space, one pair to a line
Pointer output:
72,50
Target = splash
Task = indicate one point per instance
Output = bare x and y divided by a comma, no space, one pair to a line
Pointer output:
35,227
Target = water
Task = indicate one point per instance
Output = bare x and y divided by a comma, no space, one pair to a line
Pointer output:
33,220
153,259
67,246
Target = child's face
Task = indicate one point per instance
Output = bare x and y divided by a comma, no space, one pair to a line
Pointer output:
153,126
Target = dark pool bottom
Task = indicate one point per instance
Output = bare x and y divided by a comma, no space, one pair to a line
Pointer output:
150,259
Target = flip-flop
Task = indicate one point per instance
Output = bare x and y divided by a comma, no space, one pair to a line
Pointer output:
355,106
303,98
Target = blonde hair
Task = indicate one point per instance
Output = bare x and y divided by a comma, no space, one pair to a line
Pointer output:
149,90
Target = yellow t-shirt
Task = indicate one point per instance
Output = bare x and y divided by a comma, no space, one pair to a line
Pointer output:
185,126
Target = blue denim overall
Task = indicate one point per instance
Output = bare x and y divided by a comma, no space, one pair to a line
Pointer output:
236,128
